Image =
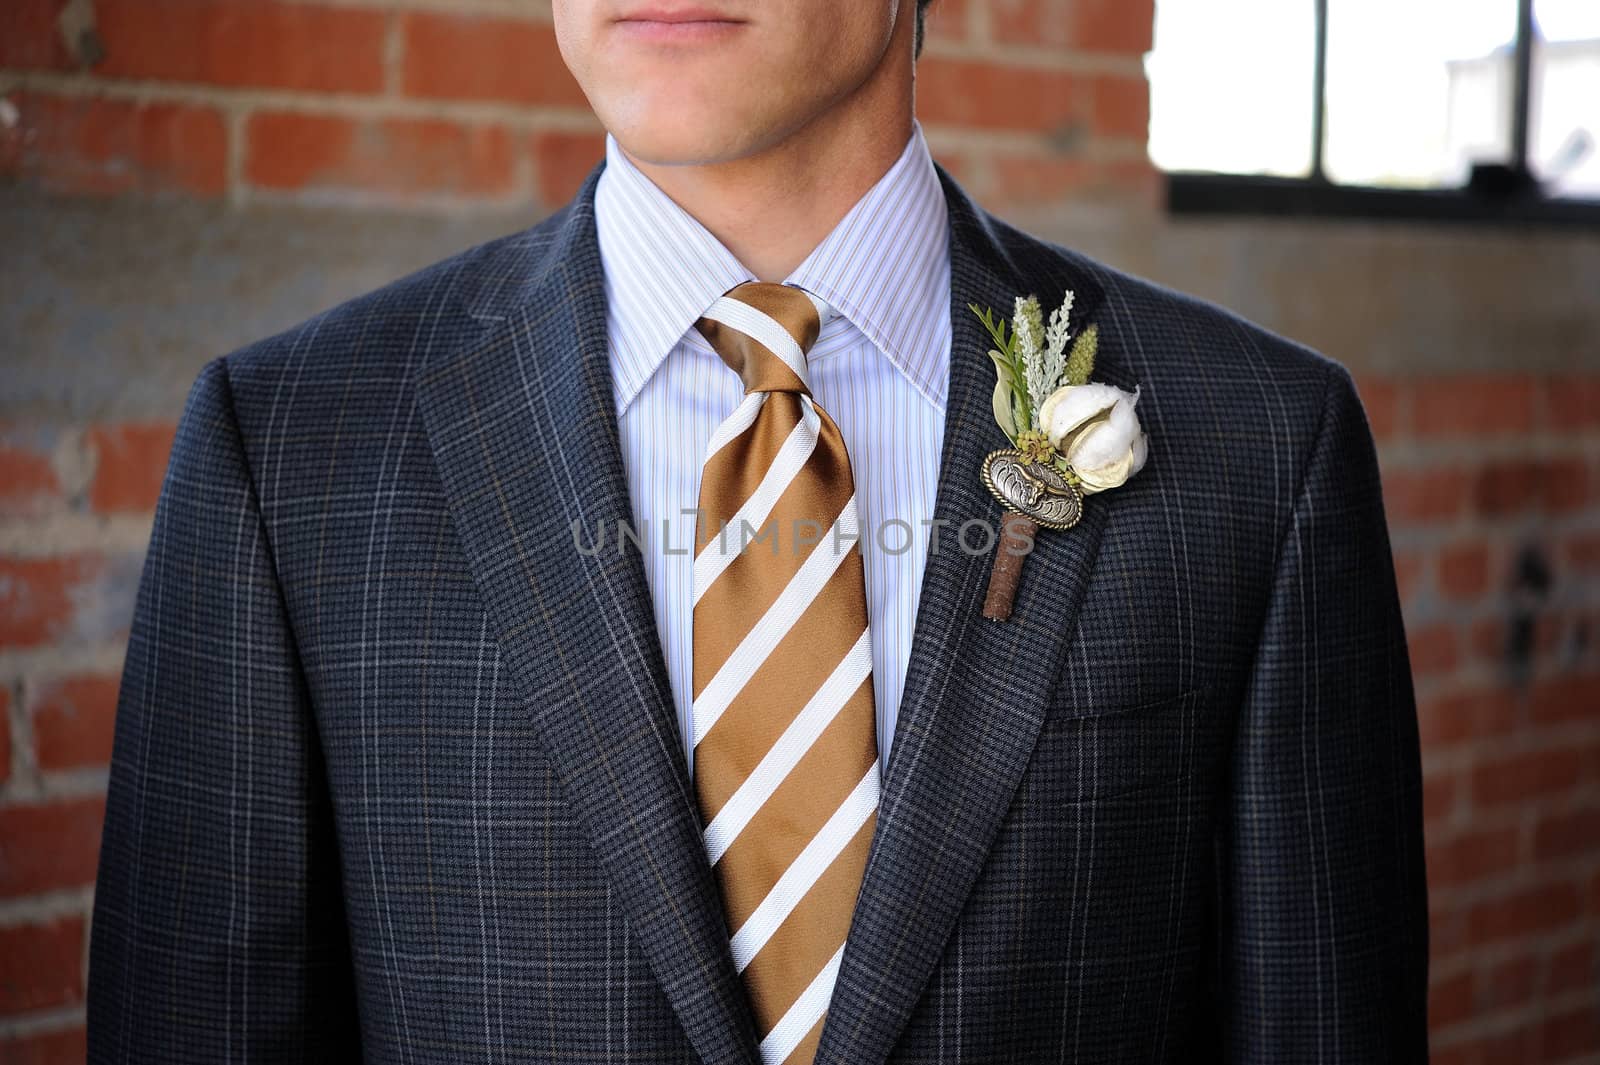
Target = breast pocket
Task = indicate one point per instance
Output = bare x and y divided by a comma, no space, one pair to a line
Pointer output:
1085,755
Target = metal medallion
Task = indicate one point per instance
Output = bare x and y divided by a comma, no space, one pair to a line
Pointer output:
1032,489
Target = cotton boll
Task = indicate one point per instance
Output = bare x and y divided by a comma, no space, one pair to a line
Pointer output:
1068,408
1096,430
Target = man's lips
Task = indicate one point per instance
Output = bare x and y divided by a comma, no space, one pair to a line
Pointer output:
676,27
676,13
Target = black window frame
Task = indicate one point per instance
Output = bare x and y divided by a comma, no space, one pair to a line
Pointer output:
1496,193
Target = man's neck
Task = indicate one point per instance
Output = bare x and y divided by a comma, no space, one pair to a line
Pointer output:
771,207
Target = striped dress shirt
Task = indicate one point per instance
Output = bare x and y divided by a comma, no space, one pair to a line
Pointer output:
879,367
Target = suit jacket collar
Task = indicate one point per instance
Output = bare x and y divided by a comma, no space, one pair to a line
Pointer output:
522,426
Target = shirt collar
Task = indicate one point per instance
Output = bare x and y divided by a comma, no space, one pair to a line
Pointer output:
884,269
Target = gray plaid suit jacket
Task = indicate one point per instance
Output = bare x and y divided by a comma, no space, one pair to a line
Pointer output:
396,779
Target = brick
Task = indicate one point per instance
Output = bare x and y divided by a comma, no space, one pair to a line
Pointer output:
1458,716
1564,485
1447,929
63,1046
1122,108
1451,1000
1499,1047
1555,486
1549,630
1463,571
264,44
1472,856
1572,401
562,161
1422,496
1126,26
984,94
39,596
5,732
450,56
73,719
41,965
1508,983
1439,793
1433,648
1022,179
962,165
947,20
130,463
1410,569
1574,697
1381,398
1571,1035
1524,776
1524,913
1508,486
1567,834
1118,26
30,38
1572,968
85,145
1581,551
1474,405
1487,640
396,158
28,481
49,846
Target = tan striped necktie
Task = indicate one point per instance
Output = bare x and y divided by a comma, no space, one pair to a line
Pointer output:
785,750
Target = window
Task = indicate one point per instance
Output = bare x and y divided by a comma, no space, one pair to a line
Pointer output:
1472,109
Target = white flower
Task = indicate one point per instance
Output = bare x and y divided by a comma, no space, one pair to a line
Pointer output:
1094,428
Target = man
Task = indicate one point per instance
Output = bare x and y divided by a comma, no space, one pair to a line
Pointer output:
415,763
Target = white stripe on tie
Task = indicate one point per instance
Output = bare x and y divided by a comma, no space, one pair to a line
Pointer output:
802,1016
802,589
742,418
786,752
807,867
723,548
762,328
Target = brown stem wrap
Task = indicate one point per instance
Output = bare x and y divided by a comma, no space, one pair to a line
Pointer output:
1016,541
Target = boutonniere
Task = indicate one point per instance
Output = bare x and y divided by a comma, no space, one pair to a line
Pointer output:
1070,437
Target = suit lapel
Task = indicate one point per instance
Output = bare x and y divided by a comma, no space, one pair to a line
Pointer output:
522,425
975,689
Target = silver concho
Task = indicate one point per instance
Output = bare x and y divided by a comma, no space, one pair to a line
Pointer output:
1032,489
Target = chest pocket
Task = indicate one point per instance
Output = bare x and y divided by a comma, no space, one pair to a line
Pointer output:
1106,752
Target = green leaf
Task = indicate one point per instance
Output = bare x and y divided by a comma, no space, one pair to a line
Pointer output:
996,328
1080,363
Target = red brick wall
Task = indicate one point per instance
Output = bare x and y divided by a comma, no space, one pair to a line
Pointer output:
1492,487
1492,482
394,104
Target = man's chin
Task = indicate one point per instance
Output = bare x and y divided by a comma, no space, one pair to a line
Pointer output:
682,139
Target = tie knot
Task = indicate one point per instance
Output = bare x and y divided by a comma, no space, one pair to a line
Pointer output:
762,330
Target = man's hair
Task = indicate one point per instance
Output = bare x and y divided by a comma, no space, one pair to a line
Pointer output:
922,7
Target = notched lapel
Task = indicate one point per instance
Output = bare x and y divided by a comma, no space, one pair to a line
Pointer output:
522,426
975,689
